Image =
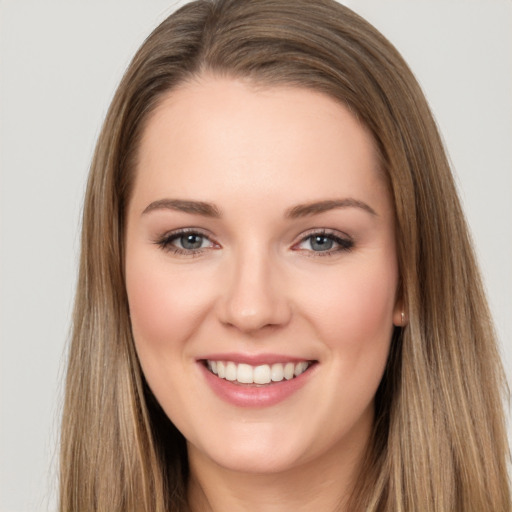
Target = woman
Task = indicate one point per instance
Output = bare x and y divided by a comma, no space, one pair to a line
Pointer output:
278,304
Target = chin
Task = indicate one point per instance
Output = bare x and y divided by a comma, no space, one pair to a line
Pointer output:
255,456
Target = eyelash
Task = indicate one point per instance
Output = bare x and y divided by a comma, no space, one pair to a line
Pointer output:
343,244
166,242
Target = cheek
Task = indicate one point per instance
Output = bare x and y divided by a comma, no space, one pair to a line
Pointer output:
354,308
354,320
165,307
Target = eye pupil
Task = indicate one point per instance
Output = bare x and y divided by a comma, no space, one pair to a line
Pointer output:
321,243
191,241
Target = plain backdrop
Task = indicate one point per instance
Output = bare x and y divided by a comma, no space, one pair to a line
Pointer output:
60,62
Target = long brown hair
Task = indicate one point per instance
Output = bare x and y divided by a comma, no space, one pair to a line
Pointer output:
439,440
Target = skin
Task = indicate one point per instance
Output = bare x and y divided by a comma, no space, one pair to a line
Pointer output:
258,285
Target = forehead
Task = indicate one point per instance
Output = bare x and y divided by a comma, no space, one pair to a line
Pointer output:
220,135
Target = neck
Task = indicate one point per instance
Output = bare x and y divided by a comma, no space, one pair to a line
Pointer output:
322,484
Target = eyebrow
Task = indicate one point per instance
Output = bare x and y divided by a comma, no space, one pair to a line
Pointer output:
194,207
304,210
301,210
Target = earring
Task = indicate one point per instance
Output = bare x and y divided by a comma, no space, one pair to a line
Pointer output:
402,317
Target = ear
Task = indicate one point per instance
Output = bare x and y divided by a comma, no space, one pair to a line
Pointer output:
400,318
399,315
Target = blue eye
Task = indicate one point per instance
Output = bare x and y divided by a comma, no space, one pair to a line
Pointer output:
190,241
185,242
321,243
325,243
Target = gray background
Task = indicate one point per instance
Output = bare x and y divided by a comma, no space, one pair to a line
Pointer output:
59,64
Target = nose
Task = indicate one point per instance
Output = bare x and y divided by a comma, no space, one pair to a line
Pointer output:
254,296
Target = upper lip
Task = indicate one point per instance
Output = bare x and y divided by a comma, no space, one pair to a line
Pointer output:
254,359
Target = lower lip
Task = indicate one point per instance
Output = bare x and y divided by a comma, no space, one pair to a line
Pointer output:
254,396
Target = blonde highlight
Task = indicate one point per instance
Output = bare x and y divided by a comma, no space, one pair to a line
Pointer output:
439,439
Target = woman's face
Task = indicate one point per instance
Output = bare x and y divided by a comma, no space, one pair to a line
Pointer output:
260,246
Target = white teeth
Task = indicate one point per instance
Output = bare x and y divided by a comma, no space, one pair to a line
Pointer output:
261,374
277,372
300,368
289,370
244,374
230,371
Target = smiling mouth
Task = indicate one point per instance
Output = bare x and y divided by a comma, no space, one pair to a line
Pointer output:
264,374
